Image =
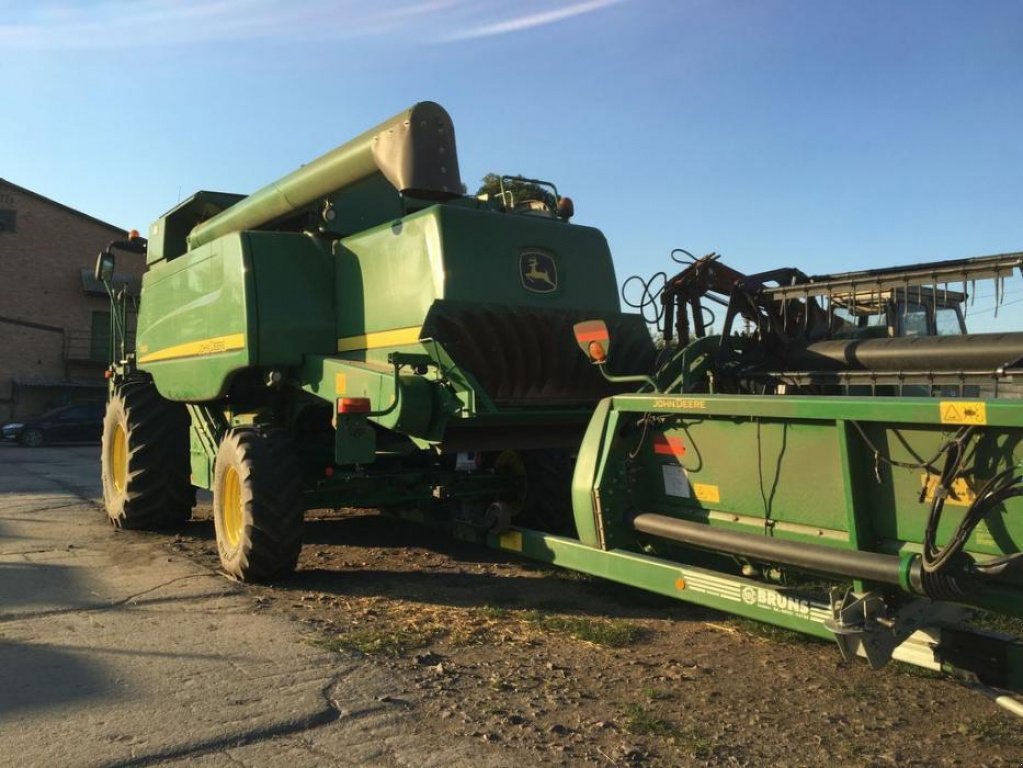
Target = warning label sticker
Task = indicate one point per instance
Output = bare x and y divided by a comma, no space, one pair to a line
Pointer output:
961,493
676,482
706,492
962,412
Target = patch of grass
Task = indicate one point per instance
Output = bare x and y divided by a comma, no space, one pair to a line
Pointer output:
461,637
997,622
996,727
613,633
694,741
375,642
912,670
494,612
639,721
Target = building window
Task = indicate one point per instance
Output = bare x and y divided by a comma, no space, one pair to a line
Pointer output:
99,347
7,218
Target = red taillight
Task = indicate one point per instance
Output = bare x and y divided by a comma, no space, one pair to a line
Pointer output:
666,445
353,405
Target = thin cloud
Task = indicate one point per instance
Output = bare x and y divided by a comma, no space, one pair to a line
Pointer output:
530,20
59,25
107,24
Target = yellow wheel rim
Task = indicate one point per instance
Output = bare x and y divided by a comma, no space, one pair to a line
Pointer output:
119,458
231,508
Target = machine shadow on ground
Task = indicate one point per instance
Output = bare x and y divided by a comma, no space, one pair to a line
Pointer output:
366,554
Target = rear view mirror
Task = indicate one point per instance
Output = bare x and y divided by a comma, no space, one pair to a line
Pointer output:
105,266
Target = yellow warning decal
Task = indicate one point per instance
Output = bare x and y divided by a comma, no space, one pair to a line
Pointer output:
708,493
511,540
962,412
961,494
340,383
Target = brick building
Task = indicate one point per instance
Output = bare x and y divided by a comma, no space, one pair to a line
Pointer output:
54,316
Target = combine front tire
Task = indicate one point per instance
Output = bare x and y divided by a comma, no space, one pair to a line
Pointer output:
257,504
145,464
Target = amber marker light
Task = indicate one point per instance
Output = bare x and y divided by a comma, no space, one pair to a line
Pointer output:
593,339
353,405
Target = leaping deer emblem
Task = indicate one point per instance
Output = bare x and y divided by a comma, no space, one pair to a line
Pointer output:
532,273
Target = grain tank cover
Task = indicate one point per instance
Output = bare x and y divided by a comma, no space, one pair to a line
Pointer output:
414,151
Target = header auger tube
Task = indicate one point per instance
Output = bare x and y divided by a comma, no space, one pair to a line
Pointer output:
414,151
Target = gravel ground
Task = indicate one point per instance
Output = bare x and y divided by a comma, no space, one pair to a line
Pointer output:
578,671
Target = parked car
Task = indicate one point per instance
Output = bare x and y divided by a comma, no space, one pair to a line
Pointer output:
67,424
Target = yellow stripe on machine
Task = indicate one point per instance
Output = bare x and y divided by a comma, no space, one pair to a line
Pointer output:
197,348
377,339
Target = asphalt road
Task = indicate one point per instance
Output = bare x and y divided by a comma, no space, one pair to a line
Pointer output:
114,651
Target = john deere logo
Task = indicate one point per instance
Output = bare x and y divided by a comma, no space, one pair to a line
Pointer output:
539,272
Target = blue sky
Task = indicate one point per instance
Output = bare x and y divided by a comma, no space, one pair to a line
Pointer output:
817,134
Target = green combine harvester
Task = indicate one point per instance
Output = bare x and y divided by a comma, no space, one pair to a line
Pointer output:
840,458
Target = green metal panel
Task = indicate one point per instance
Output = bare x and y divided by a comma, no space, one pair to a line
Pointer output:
255,298
772,604
197,321
293,275
422,407
201,463
809,476
389,276
482,260
584,478
756,469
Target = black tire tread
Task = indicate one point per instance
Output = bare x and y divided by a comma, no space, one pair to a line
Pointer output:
270,475
159,493
548,502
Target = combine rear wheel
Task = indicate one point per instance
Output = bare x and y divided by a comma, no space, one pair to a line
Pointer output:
145,464
545,501
257,504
